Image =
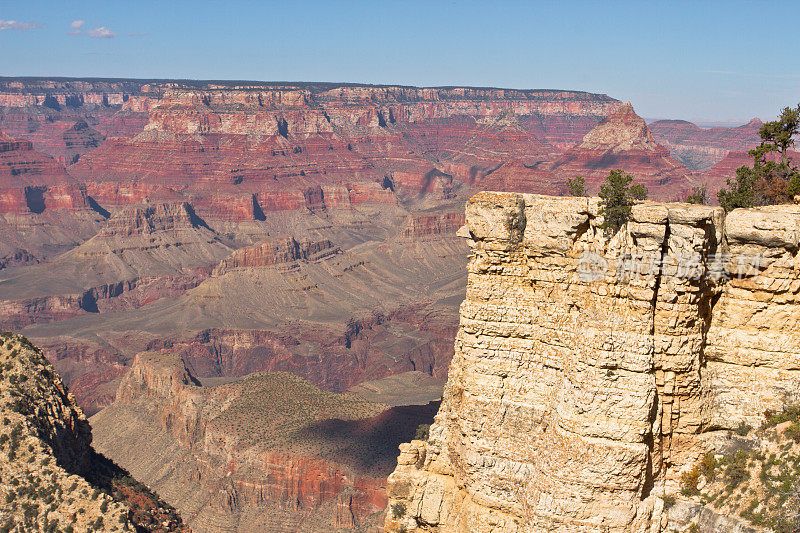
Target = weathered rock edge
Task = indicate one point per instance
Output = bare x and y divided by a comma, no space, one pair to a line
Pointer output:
578,394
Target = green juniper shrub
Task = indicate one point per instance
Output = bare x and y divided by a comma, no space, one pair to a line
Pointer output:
576,186
699,195
617,196
736,470
740,191
768,181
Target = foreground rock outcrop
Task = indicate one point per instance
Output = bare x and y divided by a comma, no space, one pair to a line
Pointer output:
52,479
591,371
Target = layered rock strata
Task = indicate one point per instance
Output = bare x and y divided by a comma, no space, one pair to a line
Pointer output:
623,141
700,148
591,369
269,452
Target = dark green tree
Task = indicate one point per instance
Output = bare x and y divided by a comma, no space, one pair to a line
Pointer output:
576,186
617,195
699,195
741,191
774,177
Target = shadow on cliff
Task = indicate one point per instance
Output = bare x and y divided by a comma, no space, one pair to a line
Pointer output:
371,446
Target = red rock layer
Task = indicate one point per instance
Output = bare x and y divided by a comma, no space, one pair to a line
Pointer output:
289,147
46,112
273,252
422,226
31,181
683,133
717,176
700,148
317,475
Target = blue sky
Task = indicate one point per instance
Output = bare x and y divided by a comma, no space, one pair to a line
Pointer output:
712,61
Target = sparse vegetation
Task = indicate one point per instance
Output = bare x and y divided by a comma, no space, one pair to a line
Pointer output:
768,181
669,501
34,487
398,509
743,429
423,431
699,195
760,482
689,481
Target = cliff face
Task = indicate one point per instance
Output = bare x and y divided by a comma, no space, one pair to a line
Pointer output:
66,118
284,147
31,181
590,372
700,148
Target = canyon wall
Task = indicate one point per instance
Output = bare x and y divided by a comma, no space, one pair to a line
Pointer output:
269,452
591,369
700,148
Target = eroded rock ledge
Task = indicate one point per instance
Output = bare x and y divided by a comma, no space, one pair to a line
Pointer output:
591,370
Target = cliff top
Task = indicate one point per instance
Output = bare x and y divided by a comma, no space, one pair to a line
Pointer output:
46,85
503,217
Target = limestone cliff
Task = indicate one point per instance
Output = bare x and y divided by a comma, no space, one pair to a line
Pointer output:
591,371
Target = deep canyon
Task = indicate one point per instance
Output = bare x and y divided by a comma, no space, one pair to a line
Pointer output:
175,247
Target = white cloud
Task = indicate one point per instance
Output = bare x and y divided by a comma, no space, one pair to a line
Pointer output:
101,33
15,25
75,24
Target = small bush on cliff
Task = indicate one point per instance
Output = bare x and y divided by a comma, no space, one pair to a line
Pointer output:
669,501
398,509
743,429
698,196
707,466
617,195
768,181
423,431
689,481
576,186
